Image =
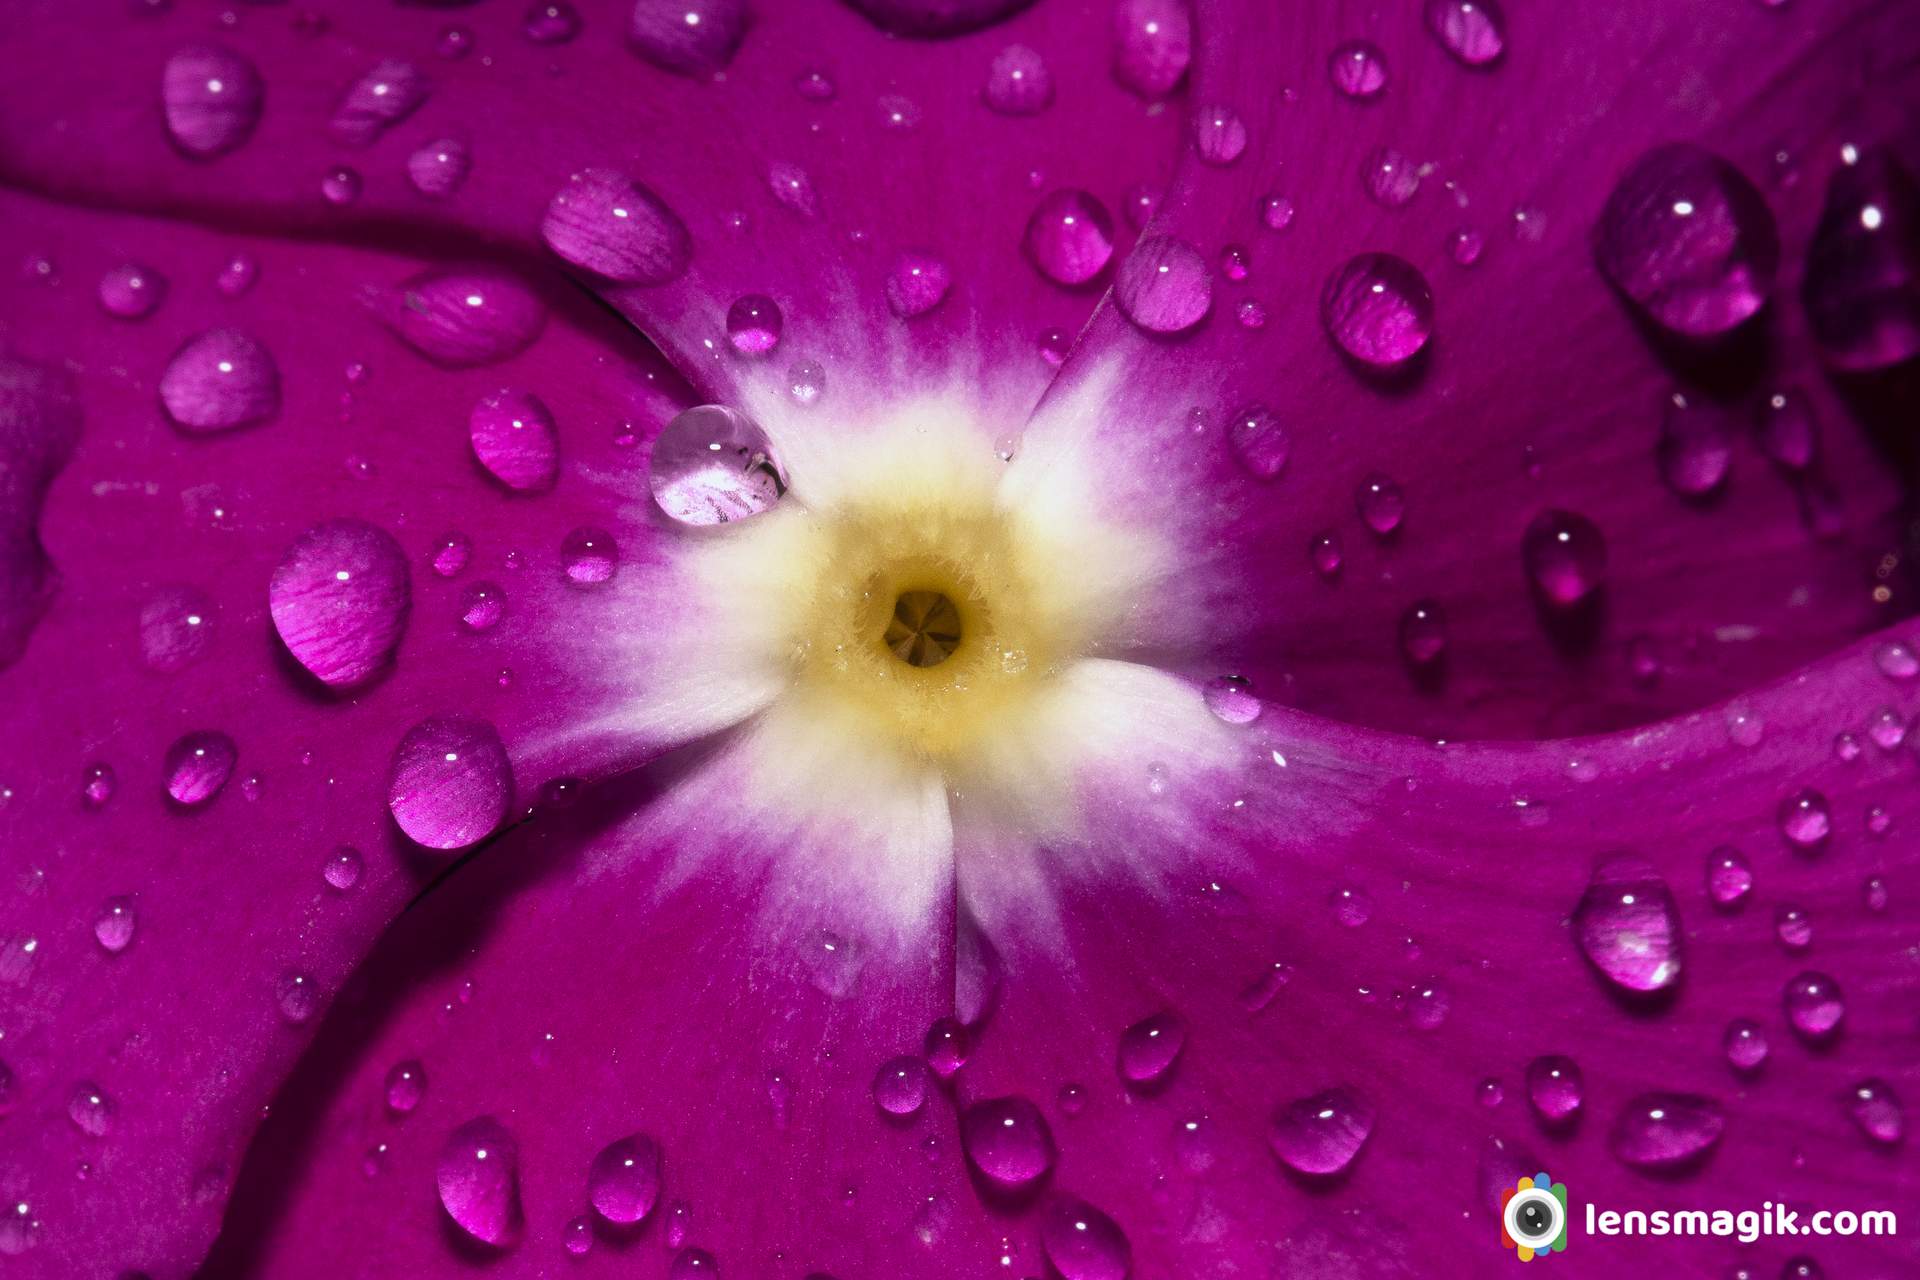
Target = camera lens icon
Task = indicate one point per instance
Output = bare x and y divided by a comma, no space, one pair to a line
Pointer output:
1533,1217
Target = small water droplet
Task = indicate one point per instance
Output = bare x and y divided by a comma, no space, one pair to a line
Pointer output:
91,1110
1555,1089
1381,504
297,996
949,1045
1696,446
406,1086
439,168
1862,283
1814,1006
1358,69
1389,177
1565,556
588,556
1729,877
1805,820
551,22
1473,31
131,291
1423,633
1152,44
341,185
1018,82
1149,1048
113,927
1164,286
451,553
198,765
515,439
1008,1142
1745,1044
688,37
917,283
1219,135
1876,1109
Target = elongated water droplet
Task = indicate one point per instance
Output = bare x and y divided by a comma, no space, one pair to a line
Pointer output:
1219,135
450,782
340,598
1876,1110
478,1177
211,97
514,438
461,317
219,381
1696,446
91,1110
1149,1048
1628,926
1358,69
1083,1243
1565,556
387,94
1667,1130
406,1086
688,37
198,764
1473,31
605,222
113,926
1862,288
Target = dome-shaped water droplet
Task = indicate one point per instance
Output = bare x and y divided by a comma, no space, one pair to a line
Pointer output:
97,784
113,926
1565,556
1628,926
1876,1109
341,185
1788,430
387,94
1690,240
1389,177
340,599
1083,1243
406,1086
451,552
482,605
1696,446
693,1264
1814,1006
711,465
607,223
1381,504
297,996
1555,1089
1745,1044
1018,82
1069,237
1152,45
577,1237
1358,69
1164,286
1149,1048
211,97
1423,633
131,291
450,782
1729,877
900,1086
1231,698
551,22
1008,1142
917,283
462,316
198,764
754,324
1352,906
221,380
1473,31
342,868
1862,286
515,439
588,556
1377,309
439,168
949,1045
1667,1130
237,275
1806,820
1320,1135
623,1182
688,37
91,1110
1325,551
1219,135
1259,441
478,1176
1276,212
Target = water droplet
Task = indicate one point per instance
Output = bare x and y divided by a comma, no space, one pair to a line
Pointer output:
1276,212
1690,240
1069,237
218,381
341,185
1473,31
176,629
1139,204
1008,1142
1565,556
1083,1243
577,1237
515,439
1729,877
343,868
1149,1048
482,605
454,43
97,784
439,168
238,275
1628,926
1862,286
949,1045
297,996
451,552
1873,893
792,187
607,223
623,1182
917,283
91,1110
1152,44
1219,135
693,1264
1814,1005
688,37
1876,1109
898,114
19,1228
1377,309
805,381
113,927
1326,552
198,764
1352,906
900,1086
1018,82
1358,69
478,1176
1164,285
1745,1044
1389,177
1897,660
588,556
131,291
1231,698
450,782
552,22
1805,820
211,97
1320,1135
387,94
1555,1089
1667,1130
406,1086
340,598
1380,503
461,317
1793,927
1696,446
1789,432
815,85
1466,244
1423,633
711,465
1260,443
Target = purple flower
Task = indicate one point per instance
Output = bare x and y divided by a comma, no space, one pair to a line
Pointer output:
953,637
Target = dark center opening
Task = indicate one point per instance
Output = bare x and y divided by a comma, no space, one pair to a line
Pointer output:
925,629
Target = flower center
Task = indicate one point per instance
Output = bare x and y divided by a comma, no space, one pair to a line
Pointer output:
925,629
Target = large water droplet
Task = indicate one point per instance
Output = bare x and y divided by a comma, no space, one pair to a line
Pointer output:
1565,555
1628,926
1377,309
1008,1142
439,168
711,465
211,97
1473,31
1069,237
900,1086
688,37
1862,289
387,94
1018,82
340,599
218,381
1083,1243
176,628
450,782
1667,1130
1149,1048
754,324
607,223
478,1177
462,317
131,291
515,439
1689,239
1814,1006
1696,446
917,283
1152,45
623,1182
1555,1089
1164,286
198,764
1320,1135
